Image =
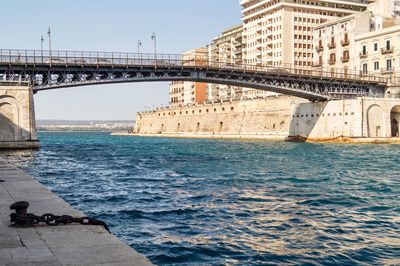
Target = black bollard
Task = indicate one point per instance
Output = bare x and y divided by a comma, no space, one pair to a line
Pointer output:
21,211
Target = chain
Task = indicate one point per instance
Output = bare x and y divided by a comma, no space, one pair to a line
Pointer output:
21,217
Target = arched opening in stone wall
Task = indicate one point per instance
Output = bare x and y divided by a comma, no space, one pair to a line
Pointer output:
395,121
9,119
375,121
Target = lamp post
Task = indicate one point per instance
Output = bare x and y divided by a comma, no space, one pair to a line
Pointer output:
49,34
154,38
139,44
41,46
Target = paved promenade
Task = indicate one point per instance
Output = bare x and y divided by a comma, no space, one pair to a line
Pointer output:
72,244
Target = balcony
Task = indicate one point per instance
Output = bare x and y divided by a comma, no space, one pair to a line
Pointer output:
386,71
332,61
345,42
363,55
319,48
345,59
331,45
387,50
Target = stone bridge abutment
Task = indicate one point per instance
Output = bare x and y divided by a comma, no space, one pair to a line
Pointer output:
17,116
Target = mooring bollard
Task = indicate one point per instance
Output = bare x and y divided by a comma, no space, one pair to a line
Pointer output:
21,212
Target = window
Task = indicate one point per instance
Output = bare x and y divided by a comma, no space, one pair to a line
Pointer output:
365,68
364,49
388,64
375,46
388,45
376,65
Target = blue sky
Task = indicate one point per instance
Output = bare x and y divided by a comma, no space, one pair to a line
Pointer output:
116,25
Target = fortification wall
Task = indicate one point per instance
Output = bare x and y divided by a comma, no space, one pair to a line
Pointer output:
361,118
259,118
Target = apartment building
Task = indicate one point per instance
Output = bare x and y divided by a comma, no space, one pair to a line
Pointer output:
365,42
334,42
280,32
176,93
226,49
185,92
379,54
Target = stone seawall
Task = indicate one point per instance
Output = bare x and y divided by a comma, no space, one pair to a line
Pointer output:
260,118
360,120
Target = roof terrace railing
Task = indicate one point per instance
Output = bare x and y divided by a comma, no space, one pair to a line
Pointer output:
119,59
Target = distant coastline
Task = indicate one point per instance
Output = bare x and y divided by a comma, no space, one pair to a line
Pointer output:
84,125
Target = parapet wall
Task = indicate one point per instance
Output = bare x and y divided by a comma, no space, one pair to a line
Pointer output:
261,118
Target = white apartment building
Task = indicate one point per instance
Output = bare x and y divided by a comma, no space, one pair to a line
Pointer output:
279,32
176,93
226,49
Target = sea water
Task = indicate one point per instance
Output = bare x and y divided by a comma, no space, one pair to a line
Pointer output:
230,202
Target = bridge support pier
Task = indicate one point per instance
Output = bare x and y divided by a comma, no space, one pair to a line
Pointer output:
17,116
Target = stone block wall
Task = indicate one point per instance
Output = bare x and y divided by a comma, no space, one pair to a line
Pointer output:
351,118
260,117
17,116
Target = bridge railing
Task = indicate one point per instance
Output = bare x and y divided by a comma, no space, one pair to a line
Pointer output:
100,59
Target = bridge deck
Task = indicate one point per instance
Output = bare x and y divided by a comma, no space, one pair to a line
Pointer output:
58,69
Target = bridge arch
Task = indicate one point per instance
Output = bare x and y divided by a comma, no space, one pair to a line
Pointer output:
375,121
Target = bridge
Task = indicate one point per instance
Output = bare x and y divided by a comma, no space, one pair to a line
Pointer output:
45,70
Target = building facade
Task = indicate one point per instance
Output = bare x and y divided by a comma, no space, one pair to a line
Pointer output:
279,32
185,92
334,42
226,49
176,93
364,43
379,54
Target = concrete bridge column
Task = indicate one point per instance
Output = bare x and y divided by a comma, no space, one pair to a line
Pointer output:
17,116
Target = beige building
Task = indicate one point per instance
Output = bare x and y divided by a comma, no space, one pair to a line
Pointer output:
186,92
279,32
379,54
334,42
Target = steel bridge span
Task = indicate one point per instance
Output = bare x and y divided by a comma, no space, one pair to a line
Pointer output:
46,70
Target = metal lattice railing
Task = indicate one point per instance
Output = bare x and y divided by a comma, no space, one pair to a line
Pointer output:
119,59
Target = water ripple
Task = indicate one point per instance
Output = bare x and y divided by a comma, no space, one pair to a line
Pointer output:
208,202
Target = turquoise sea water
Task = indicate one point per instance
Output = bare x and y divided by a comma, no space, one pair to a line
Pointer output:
211,202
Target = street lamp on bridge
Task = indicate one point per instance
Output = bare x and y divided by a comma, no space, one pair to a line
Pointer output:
139,44
41,46
154,38
49,34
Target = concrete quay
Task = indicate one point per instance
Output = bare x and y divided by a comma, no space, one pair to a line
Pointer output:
72,244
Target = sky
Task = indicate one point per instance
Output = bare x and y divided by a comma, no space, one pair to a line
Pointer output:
180,25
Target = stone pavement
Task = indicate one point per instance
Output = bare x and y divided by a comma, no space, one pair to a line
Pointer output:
72,244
